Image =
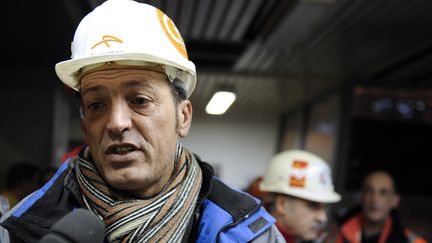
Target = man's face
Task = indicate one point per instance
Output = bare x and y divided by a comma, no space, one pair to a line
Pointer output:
378,197
130,127
303,219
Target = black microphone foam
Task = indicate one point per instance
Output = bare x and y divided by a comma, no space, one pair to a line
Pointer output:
78,226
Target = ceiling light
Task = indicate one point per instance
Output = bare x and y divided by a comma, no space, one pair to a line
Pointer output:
220,102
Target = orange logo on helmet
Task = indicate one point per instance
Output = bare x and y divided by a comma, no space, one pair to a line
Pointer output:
172,33
106,39
298,175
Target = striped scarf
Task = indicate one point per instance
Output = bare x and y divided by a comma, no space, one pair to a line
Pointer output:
163,218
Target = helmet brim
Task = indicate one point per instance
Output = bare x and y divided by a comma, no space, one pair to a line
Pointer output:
67,70
316,196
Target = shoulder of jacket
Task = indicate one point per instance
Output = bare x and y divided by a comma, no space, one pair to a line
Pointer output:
230,215
235,202
271,235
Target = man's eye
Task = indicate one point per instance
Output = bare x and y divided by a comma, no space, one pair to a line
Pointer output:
95,105
316,205
139,101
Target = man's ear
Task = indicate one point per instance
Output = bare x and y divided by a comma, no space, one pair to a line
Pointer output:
184,118
84,130
396,201
280,206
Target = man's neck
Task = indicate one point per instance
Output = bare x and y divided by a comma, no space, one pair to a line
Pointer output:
287,236
372,228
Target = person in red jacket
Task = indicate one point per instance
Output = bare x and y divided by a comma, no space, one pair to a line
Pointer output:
376,220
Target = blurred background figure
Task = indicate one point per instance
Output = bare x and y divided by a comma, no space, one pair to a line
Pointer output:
299,187
21,180
375,221
254,190
4,205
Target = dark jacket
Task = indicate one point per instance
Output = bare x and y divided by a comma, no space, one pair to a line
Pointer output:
221,214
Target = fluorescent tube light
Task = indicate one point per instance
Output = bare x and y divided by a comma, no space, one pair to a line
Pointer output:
220,102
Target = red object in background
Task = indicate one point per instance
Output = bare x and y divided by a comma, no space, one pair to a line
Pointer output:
73,152
254,190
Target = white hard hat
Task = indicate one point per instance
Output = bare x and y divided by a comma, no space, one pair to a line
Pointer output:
129,33
301,174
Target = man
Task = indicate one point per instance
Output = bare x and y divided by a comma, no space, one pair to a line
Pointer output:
299,186
377,221
131,67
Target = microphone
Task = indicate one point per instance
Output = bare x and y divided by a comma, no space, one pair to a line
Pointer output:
78,226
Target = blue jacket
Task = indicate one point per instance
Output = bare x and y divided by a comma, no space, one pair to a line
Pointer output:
222,214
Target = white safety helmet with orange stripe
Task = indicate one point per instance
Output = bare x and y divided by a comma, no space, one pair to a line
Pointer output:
300,174
128,33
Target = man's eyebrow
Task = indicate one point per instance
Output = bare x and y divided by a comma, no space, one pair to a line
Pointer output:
138,83
95,88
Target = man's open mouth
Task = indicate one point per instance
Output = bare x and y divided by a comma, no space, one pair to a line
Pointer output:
121,149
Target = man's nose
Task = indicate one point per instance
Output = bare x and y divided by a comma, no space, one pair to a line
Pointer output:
322,216
119,118
375,196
